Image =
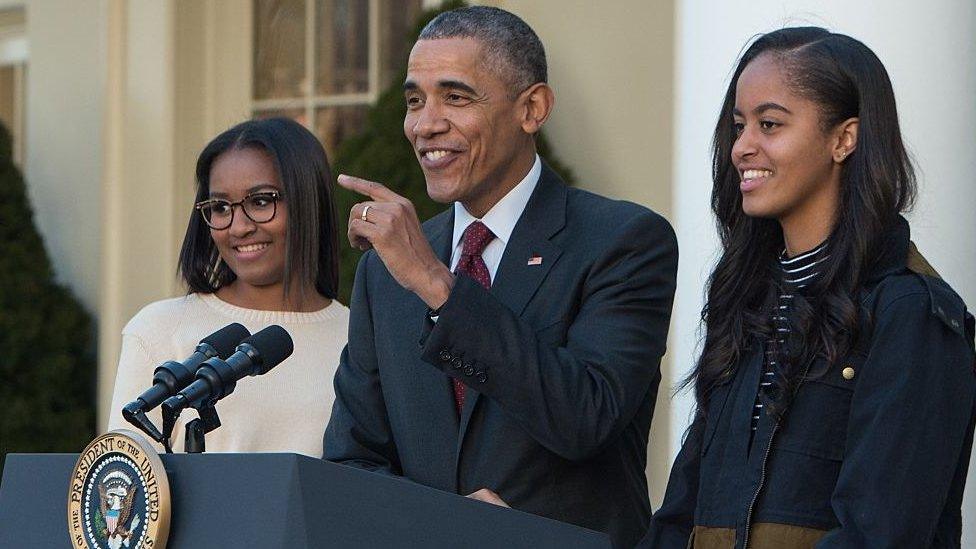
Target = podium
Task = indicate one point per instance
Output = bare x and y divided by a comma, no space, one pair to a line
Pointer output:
283,500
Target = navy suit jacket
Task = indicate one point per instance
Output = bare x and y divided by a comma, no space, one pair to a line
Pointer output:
561,361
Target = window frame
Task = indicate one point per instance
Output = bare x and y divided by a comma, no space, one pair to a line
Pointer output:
311,102
15,53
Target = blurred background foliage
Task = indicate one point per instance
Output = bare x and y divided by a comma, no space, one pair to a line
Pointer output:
47,340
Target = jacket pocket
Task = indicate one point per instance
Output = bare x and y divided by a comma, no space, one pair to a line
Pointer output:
808,449
816,423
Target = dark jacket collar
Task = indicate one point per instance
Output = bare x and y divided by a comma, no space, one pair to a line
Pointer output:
894,247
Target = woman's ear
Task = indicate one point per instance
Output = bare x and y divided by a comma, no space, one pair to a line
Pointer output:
846,139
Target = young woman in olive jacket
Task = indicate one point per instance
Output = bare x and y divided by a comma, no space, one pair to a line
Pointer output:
835,391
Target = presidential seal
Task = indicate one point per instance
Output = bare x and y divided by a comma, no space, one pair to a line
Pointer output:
119,495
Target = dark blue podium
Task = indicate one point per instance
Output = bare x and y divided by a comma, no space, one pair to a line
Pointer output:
283,500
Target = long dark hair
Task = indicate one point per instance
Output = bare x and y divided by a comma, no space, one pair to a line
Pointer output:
312,249
845,79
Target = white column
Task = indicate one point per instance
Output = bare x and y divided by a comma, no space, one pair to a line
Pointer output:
65,87
929,50
138,259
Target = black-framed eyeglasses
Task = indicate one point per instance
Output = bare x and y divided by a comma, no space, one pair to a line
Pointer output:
259,207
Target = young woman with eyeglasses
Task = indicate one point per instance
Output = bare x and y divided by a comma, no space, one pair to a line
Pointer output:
835,390
261,248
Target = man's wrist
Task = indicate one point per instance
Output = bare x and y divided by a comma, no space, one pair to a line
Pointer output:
438,289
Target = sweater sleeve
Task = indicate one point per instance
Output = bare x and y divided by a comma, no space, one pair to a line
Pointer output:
134,375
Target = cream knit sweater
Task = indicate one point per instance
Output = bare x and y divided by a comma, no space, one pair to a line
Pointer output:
285,410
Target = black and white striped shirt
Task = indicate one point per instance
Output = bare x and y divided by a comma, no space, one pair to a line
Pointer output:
798,273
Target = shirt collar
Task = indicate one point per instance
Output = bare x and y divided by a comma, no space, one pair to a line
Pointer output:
503,216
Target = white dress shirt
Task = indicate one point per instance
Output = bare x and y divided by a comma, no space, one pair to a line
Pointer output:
500,219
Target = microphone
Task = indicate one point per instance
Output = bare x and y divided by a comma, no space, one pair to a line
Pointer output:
217,378
172,376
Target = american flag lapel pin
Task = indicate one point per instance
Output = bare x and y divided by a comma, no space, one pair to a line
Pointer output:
535,260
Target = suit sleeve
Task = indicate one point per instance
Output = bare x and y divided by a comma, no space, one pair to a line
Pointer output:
359,432
577,397
672,524
908,428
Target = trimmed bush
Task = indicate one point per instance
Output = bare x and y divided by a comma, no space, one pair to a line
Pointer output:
47,365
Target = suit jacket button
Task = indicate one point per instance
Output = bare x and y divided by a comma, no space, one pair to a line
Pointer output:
456,363
468,370
445,355
481,377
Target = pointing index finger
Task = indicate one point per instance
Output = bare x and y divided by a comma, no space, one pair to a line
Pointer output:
372,189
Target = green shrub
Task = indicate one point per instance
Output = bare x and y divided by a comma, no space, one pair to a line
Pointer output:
381,153
47,365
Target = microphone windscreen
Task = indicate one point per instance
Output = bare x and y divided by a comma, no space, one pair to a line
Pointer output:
226,339
274,345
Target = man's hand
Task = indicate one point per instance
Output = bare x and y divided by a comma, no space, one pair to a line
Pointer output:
392,229
488,496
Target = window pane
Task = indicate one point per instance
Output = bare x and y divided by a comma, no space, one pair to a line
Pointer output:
333,124
397,18
298,115
342,46
8,98
279,49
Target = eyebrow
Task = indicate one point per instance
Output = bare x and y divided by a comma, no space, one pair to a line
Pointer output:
257,188
410,85
768,106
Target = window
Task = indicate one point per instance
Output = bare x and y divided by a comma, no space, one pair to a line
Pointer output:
13,77
323,62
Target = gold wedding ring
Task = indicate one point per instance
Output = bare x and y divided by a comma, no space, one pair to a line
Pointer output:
365,210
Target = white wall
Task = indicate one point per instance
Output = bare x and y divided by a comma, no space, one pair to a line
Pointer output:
610,65
929,49
65,107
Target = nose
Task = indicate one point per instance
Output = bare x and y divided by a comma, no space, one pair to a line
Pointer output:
430,121
745,145
241,225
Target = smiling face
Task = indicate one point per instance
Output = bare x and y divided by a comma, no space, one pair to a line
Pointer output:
464,124
254,251
785,158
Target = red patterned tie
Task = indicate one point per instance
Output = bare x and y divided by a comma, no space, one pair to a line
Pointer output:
475,238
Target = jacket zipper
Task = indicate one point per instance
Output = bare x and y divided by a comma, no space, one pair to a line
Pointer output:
762,480
762,470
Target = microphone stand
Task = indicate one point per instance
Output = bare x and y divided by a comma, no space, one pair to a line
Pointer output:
194,440
134,414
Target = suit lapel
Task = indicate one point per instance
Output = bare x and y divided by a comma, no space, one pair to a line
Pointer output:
516,280
529,254
440,234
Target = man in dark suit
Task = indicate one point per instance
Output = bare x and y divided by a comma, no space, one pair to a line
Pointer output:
509,349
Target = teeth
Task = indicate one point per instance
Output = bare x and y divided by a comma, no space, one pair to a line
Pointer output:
435,155
755,174
251,247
